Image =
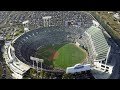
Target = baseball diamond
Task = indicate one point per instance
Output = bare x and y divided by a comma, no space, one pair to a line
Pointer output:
61,56
52,44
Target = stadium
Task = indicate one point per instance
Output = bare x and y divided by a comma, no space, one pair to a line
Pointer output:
27,45
60,46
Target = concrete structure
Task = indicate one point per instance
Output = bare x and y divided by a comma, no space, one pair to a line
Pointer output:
77,44
95,23
46,21
1,38
37,60
26,25
98,43
16,76
78,68
16,66
117,16
98,48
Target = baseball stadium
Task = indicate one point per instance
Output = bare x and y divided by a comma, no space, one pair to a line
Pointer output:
53,44
61,43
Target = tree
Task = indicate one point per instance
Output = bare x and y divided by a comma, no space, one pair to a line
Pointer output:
41,74
70,76
64,76
67,76
46,75
52,74
33,73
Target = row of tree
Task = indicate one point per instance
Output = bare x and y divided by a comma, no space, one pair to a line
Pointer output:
32,74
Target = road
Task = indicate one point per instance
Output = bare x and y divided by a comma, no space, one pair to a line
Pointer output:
115,59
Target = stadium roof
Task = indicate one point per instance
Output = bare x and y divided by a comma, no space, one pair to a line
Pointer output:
99,41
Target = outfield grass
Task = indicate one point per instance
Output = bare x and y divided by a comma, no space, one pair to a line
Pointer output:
67,55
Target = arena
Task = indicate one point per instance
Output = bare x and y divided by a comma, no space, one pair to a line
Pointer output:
26,45
55,29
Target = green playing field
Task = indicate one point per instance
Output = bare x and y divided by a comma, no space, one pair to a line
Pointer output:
61,56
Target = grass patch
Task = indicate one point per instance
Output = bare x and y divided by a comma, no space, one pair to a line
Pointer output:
61,56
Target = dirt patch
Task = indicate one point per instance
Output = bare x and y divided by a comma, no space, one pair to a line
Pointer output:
55,54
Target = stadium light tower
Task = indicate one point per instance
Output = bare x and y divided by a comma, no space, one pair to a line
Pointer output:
32,58
46,21
41,61
37,61
26,25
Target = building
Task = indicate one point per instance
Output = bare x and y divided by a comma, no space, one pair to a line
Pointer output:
98,48
17,67
95,23
117,16
78,68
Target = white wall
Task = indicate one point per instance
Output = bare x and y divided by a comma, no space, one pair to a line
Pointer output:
78,68
77,44
17,76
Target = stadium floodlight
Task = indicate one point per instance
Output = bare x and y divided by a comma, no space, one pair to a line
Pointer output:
32,58
41,60
26,25
37,61
46,20
47,17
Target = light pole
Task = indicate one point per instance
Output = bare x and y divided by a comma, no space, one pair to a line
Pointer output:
41,60
33,63
37,61
26,26
37,68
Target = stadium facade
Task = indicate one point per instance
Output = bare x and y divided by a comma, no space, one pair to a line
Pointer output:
16,66
96,40
98,48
